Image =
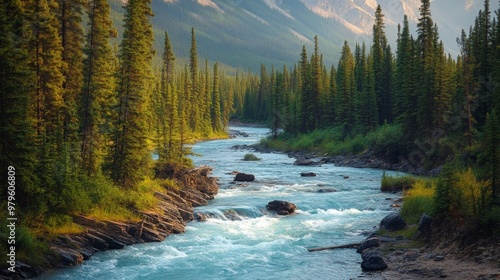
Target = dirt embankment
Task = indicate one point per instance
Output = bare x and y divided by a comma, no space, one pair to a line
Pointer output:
446,253
174,210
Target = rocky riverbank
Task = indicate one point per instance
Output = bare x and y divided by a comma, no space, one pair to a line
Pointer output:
363,160
175,208
436,251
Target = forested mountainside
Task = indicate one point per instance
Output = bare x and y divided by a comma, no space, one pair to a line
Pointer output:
243,34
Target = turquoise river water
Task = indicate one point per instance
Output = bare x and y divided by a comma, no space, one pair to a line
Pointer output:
241,240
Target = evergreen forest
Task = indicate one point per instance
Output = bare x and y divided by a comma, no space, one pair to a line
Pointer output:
85,121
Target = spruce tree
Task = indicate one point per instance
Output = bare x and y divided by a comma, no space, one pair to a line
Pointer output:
381,68
316,88
168,61
216,101
71,33
425,52
305,86
346,87
194,97
17,146
98,88
130,151
489,157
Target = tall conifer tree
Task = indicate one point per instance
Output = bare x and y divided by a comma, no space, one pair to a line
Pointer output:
131,154
98,87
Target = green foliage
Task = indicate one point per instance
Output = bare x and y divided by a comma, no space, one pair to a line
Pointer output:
460,195
251,157
491,220
397,183
418,200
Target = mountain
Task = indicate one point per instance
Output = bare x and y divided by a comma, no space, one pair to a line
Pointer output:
246,33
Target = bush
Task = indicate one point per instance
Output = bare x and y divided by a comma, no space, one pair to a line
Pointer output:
460,195
251,157
394,184
491,220
418,200
387,141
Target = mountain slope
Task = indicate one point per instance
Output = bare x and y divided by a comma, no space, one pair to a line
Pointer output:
246,33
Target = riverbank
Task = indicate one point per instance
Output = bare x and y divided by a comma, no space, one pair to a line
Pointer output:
175,208
362,160
449,254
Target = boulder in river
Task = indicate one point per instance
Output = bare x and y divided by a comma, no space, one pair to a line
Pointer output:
243,177
281,207
393,222
305,162
373,261
308,174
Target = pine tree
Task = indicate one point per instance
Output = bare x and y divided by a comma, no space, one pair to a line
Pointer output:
490,155
425,52
97,95
346,87
130,153
442,94
46,54
261,112
369,98
194,101
406,99
316,88
305,86
53,168
17,146
171,124
216,101
71,33
168,61
207,101
277,104
381,68
483,49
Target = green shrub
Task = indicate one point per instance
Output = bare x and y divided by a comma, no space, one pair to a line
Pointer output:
491,220
396,183
418,200
251,157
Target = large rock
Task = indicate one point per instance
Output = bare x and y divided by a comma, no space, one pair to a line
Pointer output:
368,243
373,261
243,177
425,222
305,162
281,207
308,174
393,222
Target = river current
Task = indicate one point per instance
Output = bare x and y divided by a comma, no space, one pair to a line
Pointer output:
241,240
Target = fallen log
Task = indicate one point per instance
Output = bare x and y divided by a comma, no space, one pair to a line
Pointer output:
345,246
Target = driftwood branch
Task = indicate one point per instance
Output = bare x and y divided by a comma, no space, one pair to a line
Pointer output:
346,246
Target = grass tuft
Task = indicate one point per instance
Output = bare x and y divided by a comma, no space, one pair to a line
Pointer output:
251,157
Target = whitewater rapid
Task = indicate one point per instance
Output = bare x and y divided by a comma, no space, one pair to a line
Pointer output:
240,239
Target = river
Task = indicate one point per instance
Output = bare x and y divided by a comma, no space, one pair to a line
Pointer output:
241,240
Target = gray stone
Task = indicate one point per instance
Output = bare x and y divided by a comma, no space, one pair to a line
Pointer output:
393,222
425,222
368,243
373,261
